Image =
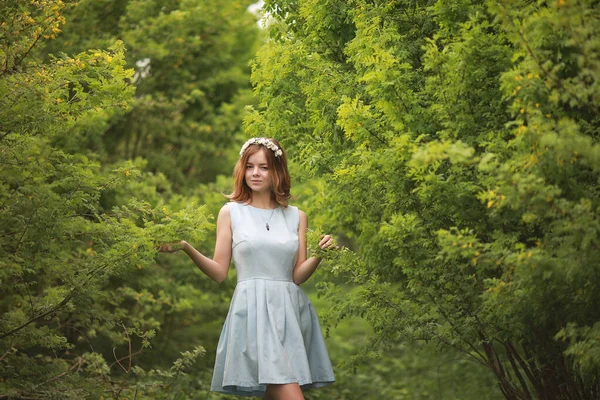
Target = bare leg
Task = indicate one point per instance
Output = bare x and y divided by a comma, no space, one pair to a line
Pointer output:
289,391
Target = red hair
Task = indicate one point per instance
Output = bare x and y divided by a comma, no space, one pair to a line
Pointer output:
279,174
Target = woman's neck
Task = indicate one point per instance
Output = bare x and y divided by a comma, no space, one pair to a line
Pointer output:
262,200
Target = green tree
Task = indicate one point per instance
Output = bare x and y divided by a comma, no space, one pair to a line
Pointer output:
191,76
72,316
458,143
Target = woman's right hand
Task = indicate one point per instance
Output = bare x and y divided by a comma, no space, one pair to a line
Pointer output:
171,247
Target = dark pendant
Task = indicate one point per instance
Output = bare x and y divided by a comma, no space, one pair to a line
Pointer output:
267,224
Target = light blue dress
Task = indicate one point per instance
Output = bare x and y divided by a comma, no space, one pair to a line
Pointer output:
271,333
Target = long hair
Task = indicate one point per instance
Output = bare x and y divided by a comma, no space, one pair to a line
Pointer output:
278,170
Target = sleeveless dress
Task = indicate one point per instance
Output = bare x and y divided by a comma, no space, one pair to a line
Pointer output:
271,333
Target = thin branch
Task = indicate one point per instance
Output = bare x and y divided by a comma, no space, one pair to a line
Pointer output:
526,368
140,351
515,367
460,335
82,334
7,353
63,302
17,62
130,359
549,75
53,309
477,358
77,364
494,360
119,360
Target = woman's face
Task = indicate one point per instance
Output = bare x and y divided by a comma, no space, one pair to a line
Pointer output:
258,176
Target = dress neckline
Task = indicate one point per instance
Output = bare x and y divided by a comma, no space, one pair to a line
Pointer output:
258,208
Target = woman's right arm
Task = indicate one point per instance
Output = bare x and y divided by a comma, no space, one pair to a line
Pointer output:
218,267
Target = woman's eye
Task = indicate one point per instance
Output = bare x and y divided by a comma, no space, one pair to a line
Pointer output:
265,168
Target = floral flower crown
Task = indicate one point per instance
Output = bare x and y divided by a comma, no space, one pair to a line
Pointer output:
263,142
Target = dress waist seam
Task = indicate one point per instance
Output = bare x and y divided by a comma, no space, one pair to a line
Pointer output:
265,279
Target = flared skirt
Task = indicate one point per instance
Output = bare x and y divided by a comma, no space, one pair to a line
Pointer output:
271,336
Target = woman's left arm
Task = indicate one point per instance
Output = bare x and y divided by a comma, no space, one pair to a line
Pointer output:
305,267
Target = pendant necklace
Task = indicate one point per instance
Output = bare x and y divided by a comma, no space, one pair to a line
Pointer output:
267,222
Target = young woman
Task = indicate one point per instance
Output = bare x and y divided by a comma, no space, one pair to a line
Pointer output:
271,343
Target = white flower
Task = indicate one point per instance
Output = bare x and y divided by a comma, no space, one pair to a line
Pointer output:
263,142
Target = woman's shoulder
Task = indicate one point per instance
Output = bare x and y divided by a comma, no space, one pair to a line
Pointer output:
296,209
301,214
297,212
234,204
291,208
224,212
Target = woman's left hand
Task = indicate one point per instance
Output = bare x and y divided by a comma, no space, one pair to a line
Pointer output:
327,242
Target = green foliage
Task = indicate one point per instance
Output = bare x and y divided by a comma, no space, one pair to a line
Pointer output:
456,145
453,146
190,63
87,302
